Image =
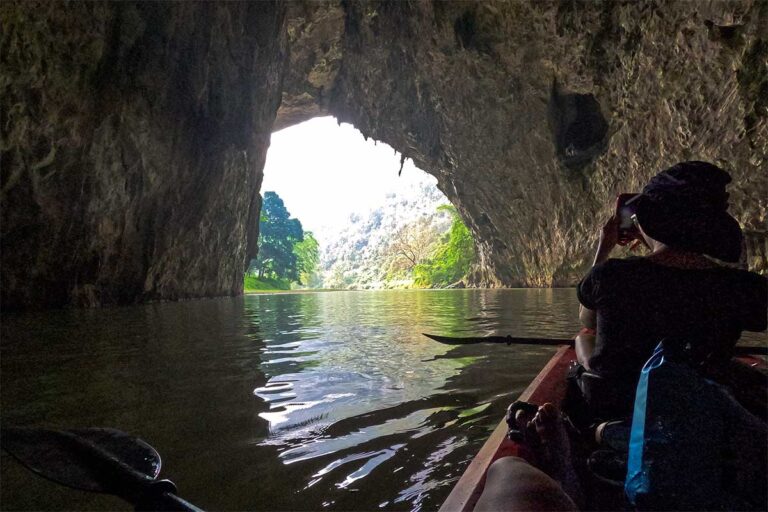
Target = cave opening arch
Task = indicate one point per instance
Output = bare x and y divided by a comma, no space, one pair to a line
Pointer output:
373,212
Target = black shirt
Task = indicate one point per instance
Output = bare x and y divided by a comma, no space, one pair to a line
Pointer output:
639,302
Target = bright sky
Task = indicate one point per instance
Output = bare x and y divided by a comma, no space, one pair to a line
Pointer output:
324,172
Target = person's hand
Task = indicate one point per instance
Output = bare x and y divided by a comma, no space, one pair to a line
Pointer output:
609,233
609,238
638,243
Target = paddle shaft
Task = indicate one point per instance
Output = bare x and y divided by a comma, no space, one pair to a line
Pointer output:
738,351
166,501
504,340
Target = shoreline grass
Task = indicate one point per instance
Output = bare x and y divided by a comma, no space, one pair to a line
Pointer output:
298,290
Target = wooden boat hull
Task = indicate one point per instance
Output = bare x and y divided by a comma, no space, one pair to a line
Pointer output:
548,386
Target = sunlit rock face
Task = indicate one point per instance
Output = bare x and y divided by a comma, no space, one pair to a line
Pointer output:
535,115
134,134
133,137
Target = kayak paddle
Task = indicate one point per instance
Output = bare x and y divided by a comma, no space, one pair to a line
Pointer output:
97,460
506,340
738,350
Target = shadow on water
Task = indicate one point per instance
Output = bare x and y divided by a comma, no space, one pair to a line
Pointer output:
281,402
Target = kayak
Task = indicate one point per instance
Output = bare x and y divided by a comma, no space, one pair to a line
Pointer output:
548,386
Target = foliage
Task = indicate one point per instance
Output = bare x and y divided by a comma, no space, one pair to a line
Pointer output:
358,255
254,284
339,280
278,234
307,259
451,260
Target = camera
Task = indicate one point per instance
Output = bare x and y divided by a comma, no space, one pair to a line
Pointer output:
625,210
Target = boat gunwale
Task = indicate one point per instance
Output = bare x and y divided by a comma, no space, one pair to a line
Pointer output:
466,492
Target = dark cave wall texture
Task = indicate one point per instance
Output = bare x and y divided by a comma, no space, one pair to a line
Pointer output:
134,134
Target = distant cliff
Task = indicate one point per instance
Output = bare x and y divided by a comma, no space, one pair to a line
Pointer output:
358,255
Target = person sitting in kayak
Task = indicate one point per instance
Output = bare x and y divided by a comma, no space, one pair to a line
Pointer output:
632,304
678,290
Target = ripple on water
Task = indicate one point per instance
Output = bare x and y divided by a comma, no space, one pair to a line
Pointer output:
285,402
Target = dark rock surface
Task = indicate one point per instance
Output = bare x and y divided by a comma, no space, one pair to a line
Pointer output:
133,139
134,134
535,115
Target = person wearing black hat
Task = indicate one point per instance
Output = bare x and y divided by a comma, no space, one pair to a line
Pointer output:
681,289
681,293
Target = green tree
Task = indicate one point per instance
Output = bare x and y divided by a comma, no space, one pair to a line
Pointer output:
278,234
307,257
451,260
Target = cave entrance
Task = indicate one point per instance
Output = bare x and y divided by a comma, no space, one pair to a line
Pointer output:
374,222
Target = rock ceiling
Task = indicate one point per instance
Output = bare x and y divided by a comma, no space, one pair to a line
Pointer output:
135,133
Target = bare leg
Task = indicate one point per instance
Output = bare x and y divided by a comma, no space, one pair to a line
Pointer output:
585,346
514,485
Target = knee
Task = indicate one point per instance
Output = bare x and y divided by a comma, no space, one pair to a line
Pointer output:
515,472
507,468
512,484
511,463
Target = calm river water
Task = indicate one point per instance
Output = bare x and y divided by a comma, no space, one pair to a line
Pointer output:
315,401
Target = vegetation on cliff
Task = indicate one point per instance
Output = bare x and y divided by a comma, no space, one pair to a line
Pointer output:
451,259
411,241
372,250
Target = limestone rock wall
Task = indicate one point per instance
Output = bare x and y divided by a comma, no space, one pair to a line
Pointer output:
535,115
133,138
134,133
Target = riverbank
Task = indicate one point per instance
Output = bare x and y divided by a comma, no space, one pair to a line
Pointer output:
302,290
253,284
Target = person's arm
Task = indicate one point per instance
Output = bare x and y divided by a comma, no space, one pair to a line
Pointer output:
588,317
609,238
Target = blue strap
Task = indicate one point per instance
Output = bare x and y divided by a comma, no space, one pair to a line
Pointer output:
637,481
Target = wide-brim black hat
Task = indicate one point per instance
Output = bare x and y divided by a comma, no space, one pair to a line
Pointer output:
685,207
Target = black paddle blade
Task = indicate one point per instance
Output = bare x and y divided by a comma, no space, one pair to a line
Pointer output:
738,350
453,340
506,340
63,455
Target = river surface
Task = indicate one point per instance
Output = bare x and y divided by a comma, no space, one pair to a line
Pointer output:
313,401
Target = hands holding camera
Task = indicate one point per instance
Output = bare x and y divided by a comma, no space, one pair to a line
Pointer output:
610,238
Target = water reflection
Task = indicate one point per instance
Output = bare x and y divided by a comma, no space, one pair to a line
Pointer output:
361,400
281,402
